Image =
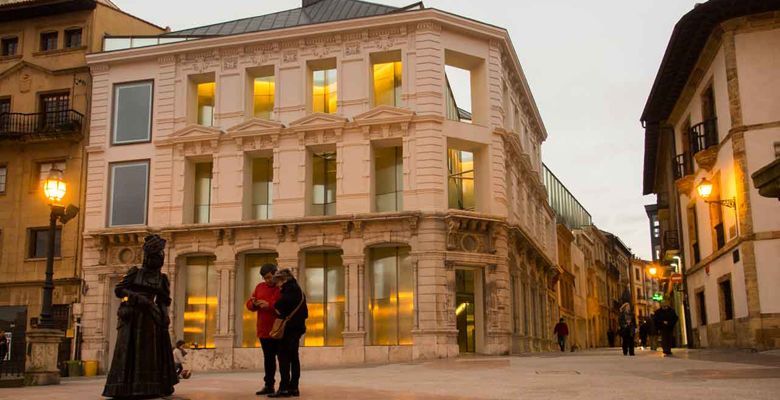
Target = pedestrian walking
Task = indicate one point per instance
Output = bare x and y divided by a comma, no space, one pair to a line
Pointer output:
627,329
665,320
652,332
178,360
644,331
262,302
562,331
291,314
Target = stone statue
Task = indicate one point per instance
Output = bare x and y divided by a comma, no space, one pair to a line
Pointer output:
143,357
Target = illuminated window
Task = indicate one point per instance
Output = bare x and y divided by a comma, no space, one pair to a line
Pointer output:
388,175
262,187
264,97
323,184
324,90
387,83
391,302
202,211
251,277
324,282
200,302
460,189
206,92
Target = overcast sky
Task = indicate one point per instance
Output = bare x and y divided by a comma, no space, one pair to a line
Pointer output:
590,65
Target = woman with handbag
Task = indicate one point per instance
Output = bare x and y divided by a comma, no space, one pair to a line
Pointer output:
289,326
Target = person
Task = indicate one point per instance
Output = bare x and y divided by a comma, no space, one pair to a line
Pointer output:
665,320
3,346
611,337
627,329
562,330
178,360
143,365
262,302
652,332
290,305
644,331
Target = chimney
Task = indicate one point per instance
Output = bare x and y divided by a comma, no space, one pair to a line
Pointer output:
306,3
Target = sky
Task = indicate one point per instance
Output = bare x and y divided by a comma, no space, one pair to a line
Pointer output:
590,66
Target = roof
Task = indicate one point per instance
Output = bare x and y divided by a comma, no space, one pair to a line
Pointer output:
689,37
313,12
13,10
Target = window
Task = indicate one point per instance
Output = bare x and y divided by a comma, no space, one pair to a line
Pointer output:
3,177
262,187
206,93
5,105
45,168
246,282
716,215
465,85
55,107
200,302
693,233
391,301
129,193
39,242
726,301
388,175
460,188
701,306
9,46
132,119
263,100
202,192
72,38
777,149
324,282
49,41
324,90
323,184
387,81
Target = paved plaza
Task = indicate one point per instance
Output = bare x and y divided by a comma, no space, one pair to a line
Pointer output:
599,374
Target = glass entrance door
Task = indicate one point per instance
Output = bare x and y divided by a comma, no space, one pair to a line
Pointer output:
465,309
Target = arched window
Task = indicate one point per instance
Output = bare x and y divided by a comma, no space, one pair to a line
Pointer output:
201,284
391,296
323,278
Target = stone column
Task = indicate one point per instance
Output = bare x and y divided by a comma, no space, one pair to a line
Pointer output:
354,331
41,366
224,338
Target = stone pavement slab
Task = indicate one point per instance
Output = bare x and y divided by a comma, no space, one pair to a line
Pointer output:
601,374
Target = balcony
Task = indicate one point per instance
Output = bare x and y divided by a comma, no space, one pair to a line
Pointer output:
40,126
671,242
683,166
703,135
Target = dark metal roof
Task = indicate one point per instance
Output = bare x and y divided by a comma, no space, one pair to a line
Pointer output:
14,10
688,39
314,13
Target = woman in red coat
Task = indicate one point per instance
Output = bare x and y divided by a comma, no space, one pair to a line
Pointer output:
262,301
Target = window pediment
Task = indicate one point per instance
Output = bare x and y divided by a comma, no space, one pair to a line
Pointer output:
385,114
318,121
192,134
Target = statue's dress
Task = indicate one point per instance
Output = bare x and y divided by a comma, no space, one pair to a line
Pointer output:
143,356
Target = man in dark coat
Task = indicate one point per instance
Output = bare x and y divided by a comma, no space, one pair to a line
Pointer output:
652,332
562,331
644,331
665,320
627,329
290,305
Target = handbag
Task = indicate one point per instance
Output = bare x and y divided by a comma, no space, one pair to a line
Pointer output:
277,330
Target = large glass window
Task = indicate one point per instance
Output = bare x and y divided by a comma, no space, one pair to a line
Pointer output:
128,198
264,97
323,184
460,188
206,92
251,277
262,187
324,91
391,296
200,302
202,193
132,120
388,175
324,283
387,83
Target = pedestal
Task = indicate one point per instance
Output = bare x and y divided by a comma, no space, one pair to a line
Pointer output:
43,348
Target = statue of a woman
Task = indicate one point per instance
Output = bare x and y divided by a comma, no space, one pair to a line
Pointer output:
143,357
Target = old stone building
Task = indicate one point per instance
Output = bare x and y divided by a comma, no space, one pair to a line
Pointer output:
711,120
45,88
418,227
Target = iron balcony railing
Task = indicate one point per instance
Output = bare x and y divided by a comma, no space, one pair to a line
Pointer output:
41,125
683,165
703,135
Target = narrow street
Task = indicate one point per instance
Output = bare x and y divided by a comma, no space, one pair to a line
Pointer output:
598,374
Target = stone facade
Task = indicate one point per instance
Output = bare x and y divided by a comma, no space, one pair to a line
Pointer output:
506,243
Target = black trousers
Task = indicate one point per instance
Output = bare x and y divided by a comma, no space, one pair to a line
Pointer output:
628,344
643,338
270,351
289,362
667,340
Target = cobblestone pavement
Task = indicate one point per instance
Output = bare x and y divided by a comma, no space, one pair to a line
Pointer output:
599,374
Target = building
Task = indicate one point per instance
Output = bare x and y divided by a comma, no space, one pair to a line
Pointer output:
45,88
644,287
710,122
330,143
593,243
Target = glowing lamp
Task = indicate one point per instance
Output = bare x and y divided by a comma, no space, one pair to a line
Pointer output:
54,186
704,189
652,271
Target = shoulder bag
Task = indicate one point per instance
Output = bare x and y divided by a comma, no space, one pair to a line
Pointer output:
277,330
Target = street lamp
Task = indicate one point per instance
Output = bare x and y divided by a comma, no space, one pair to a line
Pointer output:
653,271
705,191
55,188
